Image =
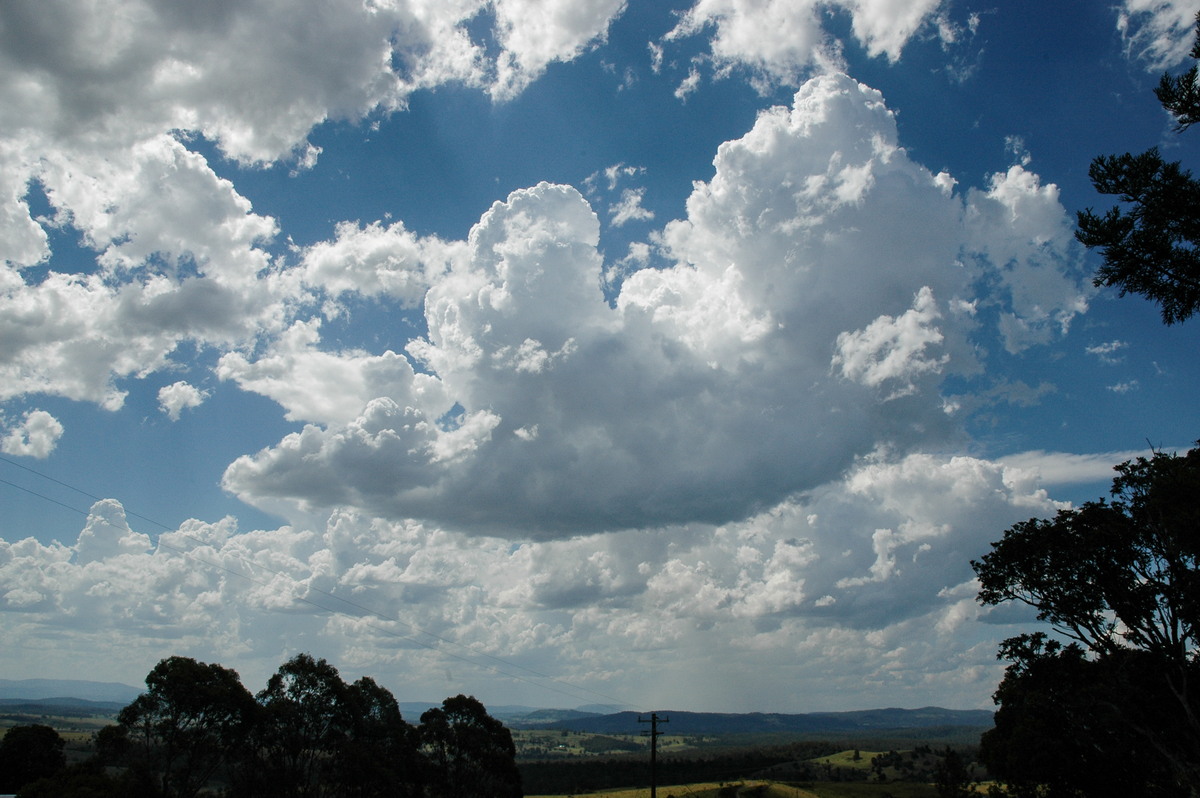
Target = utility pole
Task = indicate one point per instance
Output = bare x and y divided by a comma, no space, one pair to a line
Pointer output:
653,734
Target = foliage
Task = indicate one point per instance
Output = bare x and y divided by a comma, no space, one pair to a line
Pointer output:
820,766
1150,248
379,755
1067,725
470,752
745,789
84,780
1180,96
28,753
181,728
952,777
592,774
303,716
595,743
1117,706
315,735
308,733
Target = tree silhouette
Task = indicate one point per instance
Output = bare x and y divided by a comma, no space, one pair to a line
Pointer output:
952,776
181,728
306,734
1150,245
303,718
28,753
1120,581
471,754
379,757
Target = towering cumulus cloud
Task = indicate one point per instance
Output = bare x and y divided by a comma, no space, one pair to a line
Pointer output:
824,285
643,434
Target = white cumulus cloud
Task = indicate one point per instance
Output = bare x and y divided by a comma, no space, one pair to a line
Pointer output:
100,110
36,436
784,341
785,39
173,399
535,33
629,208
866,578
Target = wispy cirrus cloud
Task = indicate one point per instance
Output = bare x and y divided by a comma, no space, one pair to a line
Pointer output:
1158,33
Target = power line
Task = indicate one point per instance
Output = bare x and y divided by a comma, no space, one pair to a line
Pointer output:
40,496
497,668
91,496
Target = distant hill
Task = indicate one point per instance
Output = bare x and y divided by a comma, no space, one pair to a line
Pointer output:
601,709
48,696
542,718
511,715
59,705
411,710
40,689
856,722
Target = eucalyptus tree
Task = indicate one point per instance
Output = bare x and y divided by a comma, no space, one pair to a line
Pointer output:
181,729
470,753
27,753
1116,688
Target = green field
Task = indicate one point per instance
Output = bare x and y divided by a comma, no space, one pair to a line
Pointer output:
860,789
846,759
844,774
771,789
741,789
543,743
76,731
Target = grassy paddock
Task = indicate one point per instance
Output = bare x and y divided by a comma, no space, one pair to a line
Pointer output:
76,731
845,759
745,789
859,789
547,743
771,789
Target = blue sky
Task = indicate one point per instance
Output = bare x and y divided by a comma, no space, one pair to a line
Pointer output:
592,351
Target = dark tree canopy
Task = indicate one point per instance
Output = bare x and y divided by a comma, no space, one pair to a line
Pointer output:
315,735
471,754
379,756
1065,725
952,777
1118,580
1112,575
181,728
308,734
1180,96
28,753
302,718
1150,245
86,779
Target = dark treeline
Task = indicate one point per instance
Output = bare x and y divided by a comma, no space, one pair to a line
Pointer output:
197,730
951,770
590,775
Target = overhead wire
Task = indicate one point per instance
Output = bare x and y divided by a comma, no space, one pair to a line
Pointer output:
564,688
